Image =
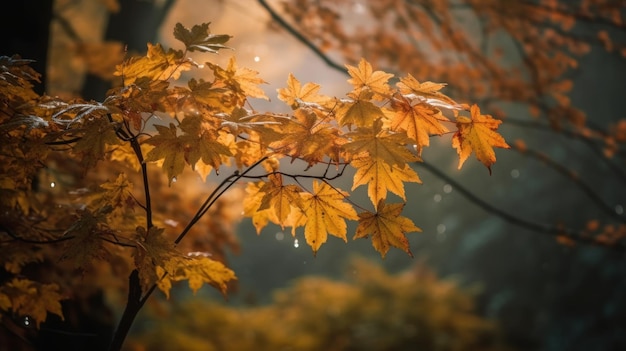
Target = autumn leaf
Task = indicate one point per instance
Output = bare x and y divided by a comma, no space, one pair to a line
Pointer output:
358,111
197,270
387,228
364,76
86,230
307,137
279,198
33,299
427,92
152,250
97,134
324,211
199,38
296,94
478,134
168,147
156,65
243,79
419,121
202,143
251,204
381,177
380,144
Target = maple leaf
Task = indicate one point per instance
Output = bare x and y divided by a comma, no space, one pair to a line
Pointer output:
279,198
323,212
307,137
168,147
156,65
296,94
427,92
33,299
243,79
387,228
202,143
364,76
419,121
199,38
251,204
152,250
360,111
478,134
380,144
97,134
86,243
197,270
381,177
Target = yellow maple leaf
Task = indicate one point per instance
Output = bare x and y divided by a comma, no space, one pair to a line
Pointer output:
240,78
295,93
387,228
419,121
169,147
33,299
381,177
98,136
380,143
364,76
308,137
157,64
359,111
251,204
197,270
323,212
478,134
279,198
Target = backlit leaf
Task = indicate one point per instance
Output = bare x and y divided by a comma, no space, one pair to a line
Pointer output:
387,228
478,134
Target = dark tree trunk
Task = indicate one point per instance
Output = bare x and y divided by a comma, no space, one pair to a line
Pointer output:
136,24
25,28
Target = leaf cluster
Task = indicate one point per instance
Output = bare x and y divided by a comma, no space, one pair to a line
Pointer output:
157,120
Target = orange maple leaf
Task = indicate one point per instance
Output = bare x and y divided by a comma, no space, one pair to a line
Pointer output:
387,228
478,134
419,121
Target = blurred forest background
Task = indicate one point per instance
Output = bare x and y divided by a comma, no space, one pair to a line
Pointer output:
496,237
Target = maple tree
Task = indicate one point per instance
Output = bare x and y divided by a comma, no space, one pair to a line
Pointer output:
205,126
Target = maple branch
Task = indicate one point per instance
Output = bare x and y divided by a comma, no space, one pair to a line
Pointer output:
134,143
296,34
573,177
16,237
216,194
533,226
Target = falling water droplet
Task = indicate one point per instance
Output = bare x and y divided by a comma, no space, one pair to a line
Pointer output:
174,179
26,321
53,184
295,243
